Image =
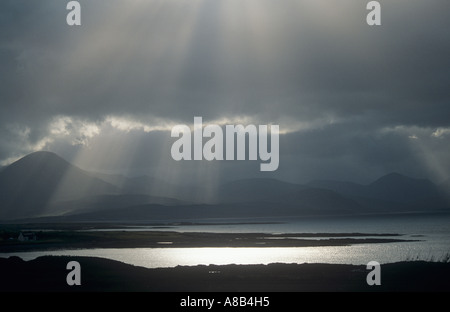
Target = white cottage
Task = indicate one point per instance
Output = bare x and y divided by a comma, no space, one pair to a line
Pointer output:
27,236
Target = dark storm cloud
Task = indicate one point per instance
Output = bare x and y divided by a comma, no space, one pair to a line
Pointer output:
309,66
361,152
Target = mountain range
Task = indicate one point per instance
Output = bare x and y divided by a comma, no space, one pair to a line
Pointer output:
44,187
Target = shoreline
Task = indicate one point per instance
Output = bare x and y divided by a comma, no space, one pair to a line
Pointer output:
57,240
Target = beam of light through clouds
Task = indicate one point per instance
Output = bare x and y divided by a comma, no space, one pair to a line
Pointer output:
353,102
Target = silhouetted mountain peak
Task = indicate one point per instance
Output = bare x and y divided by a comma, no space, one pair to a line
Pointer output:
395,178
398,180
44,184
28,185
400,188
41,167
41,158
256,189
41,155
260,182
446,183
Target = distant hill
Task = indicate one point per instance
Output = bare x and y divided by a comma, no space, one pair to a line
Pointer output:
43,184
151,186
399,188
104,203
390,191
445,186
158,187
445,190
342,187
30,184
115,179
279,195
251,190
296,201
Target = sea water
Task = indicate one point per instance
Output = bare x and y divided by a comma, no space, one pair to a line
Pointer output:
431,232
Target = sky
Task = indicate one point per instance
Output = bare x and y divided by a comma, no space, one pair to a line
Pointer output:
352,101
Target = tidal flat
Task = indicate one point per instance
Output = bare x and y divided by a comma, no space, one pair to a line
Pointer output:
76,239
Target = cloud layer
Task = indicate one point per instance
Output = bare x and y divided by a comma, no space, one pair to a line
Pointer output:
353,101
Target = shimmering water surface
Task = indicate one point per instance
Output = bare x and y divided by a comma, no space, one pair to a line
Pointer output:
432,231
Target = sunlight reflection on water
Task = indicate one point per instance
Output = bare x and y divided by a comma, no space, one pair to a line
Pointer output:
171,257
433,231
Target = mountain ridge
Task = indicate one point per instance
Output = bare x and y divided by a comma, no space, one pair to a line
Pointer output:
28,185
44,184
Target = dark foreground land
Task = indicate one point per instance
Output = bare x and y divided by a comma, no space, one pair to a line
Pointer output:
48,274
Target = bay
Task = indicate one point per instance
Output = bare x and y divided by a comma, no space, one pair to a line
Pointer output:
431,232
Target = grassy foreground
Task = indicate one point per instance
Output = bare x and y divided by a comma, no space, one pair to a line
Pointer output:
48,274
